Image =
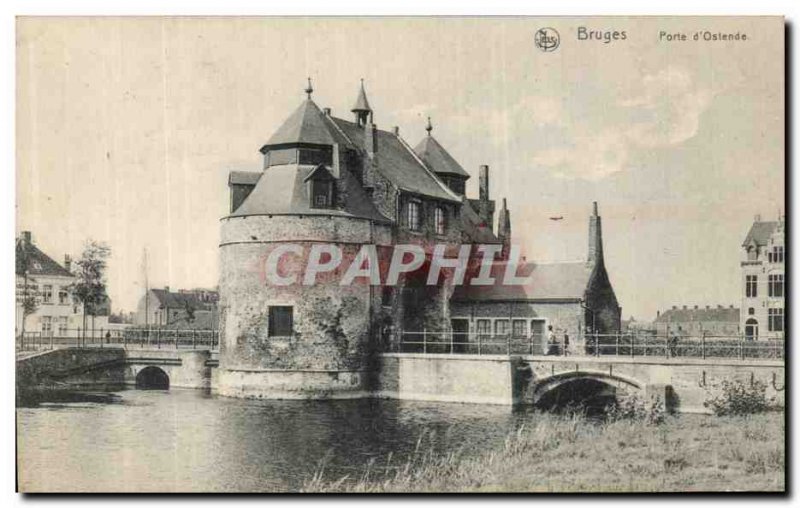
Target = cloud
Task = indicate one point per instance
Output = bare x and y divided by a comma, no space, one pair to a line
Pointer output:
671,105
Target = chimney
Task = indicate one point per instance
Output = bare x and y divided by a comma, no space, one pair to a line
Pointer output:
708,307
504,230
369,137
483,183
595,238
327,111
695,307
166,288
658,314
757,218
396,130
27,238
674,307
67,262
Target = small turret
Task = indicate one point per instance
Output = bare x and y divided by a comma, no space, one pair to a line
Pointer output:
361,110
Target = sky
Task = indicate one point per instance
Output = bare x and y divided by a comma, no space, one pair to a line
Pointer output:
127,129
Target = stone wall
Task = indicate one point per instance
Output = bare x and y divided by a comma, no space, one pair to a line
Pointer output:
333,326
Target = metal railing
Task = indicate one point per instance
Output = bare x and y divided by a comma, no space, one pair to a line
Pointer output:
627,345
142,338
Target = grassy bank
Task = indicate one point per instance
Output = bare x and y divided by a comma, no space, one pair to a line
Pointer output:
572,454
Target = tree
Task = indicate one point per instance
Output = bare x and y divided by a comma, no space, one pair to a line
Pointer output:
26,299
89,287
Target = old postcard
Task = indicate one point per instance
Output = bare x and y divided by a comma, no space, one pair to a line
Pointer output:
392,255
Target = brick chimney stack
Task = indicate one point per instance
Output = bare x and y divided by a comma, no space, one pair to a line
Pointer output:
504,230
595,238
68,262
27,238
483,183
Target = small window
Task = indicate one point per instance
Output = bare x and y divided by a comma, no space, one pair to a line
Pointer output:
776,256
501,327
775,285
751,286
281,321
386,296
775,321
321,193
519,328
751,311
62,326
47,324
440,218
63,296
483,327
47,293
413,215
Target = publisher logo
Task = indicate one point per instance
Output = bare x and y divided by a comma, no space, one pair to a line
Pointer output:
547,39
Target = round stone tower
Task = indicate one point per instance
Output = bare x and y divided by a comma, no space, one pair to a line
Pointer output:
282,336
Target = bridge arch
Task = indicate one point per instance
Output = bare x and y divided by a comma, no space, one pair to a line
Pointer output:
583,388
152,378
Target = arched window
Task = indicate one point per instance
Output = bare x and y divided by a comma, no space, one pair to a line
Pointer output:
751,329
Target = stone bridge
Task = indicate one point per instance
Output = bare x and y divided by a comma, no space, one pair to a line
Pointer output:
682,383
115,367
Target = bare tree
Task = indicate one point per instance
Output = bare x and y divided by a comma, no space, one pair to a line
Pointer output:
89,287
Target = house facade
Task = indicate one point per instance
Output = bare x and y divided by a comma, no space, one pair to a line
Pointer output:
57,313
189,309
763,279
337,184
719,321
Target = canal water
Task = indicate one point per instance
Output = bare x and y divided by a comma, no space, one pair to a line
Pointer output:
194,441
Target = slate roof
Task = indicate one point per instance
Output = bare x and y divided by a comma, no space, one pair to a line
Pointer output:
437,158
701,314
306,125
284,191
549,281
471,225
760,233
179,300
244,177
399,163
39,262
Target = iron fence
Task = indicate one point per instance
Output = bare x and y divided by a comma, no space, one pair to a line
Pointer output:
628,345
143,338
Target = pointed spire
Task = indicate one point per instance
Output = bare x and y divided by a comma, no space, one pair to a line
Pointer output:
362,104
595,237
309,89
429,127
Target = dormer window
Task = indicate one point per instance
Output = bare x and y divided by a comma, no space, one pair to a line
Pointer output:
321,188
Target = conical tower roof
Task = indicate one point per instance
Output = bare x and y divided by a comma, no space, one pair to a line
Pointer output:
362,104
437,158
306,125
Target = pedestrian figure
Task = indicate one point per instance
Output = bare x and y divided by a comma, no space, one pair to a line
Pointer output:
566,344
673,344
552,343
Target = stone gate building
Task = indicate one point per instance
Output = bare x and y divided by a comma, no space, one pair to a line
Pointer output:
347,183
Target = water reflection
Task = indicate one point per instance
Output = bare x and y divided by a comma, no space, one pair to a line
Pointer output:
195,441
